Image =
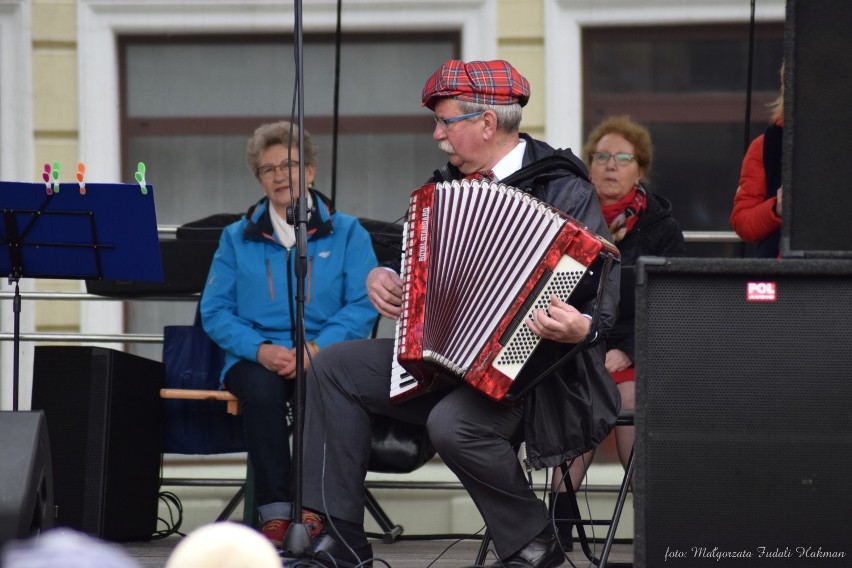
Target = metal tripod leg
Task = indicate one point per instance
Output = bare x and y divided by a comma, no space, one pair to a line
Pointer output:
616,516
626,418
483,549
390,530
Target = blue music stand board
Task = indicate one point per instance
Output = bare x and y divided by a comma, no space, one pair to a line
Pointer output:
108,232
76,231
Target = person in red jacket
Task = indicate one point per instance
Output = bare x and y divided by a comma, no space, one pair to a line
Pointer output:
756,217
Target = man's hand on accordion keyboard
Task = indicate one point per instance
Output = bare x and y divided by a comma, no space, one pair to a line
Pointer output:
561,322
384,288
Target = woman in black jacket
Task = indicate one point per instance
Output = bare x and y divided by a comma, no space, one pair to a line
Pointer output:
619,155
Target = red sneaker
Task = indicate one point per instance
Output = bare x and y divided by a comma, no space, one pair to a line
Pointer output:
275,530
313,522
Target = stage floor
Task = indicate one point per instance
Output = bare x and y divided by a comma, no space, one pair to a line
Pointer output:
404,553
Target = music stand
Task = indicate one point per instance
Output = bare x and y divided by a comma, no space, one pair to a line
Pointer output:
110,231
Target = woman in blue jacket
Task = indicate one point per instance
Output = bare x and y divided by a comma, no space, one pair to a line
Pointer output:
248,304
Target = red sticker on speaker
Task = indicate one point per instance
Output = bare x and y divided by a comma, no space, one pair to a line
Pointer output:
761,292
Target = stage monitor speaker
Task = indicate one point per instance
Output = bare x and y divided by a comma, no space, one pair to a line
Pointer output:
26,476
817,116
743,412
104,416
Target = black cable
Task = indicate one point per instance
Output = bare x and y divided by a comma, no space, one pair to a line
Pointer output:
172,524
336,115
327,519
322,385
749,80
388,239
390,224
312,562
566,469
435,536
452,544
170,500
594,539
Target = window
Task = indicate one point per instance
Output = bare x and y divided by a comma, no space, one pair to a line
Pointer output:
687,85
190,103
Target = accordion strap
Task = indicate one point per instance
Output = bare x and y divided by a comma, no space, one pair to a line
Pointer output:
547,168
444,173
541,170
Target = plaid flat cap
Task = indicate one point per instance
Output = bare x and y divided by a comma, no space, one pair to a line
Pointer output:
486,82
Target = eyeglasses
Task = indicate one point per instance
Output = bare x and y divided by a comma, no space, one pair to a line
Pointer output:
285,167
621,158
446,122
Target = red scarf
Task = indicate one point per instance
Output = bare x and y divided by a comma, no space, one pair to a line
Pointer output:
622,215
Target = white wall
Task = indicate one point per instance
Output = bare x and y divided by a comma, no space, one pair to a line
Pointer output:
16,164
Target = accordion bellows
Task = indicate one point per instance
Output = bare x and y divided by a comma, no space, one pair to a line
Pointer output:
478,257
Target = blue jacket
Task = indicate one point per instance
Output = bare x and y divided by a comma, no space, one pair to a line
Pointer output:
250,292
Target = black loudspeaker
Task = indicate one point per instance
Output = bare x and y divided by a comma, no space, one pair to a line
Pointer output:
104,416
26,476
743,412
817,116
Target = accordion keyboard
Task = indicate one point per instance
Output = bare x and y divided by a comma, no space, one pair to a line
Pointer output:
402,383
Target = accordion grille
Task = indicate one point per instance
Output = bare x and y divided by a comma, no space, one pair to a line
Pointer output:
485,240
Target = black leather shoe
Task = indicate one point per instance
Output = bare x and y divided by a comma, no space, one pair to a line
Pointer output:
541,552
325,546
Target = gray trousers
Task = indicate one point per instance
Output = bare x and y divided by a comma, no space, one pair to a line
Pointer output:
476,437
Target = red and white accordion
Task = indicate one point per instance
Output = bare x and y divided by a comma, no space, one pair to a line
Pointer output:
478,258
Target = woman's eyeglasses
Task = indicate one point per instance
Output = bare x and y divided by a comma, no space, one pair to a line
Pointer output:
621,158
269,170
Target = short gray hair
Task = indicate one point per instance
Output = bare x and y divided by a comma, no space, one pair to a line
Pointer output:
273,133
508,116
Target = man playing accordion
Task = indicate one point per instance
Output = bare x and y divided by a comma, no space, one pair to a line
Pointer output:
477,107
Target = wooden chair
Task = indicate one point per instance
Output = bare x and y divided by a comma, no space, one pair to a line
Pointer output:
192,394
245,487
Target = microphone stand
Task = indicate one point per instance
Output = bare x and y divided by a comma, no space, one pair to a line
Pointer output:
297,541
16,339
